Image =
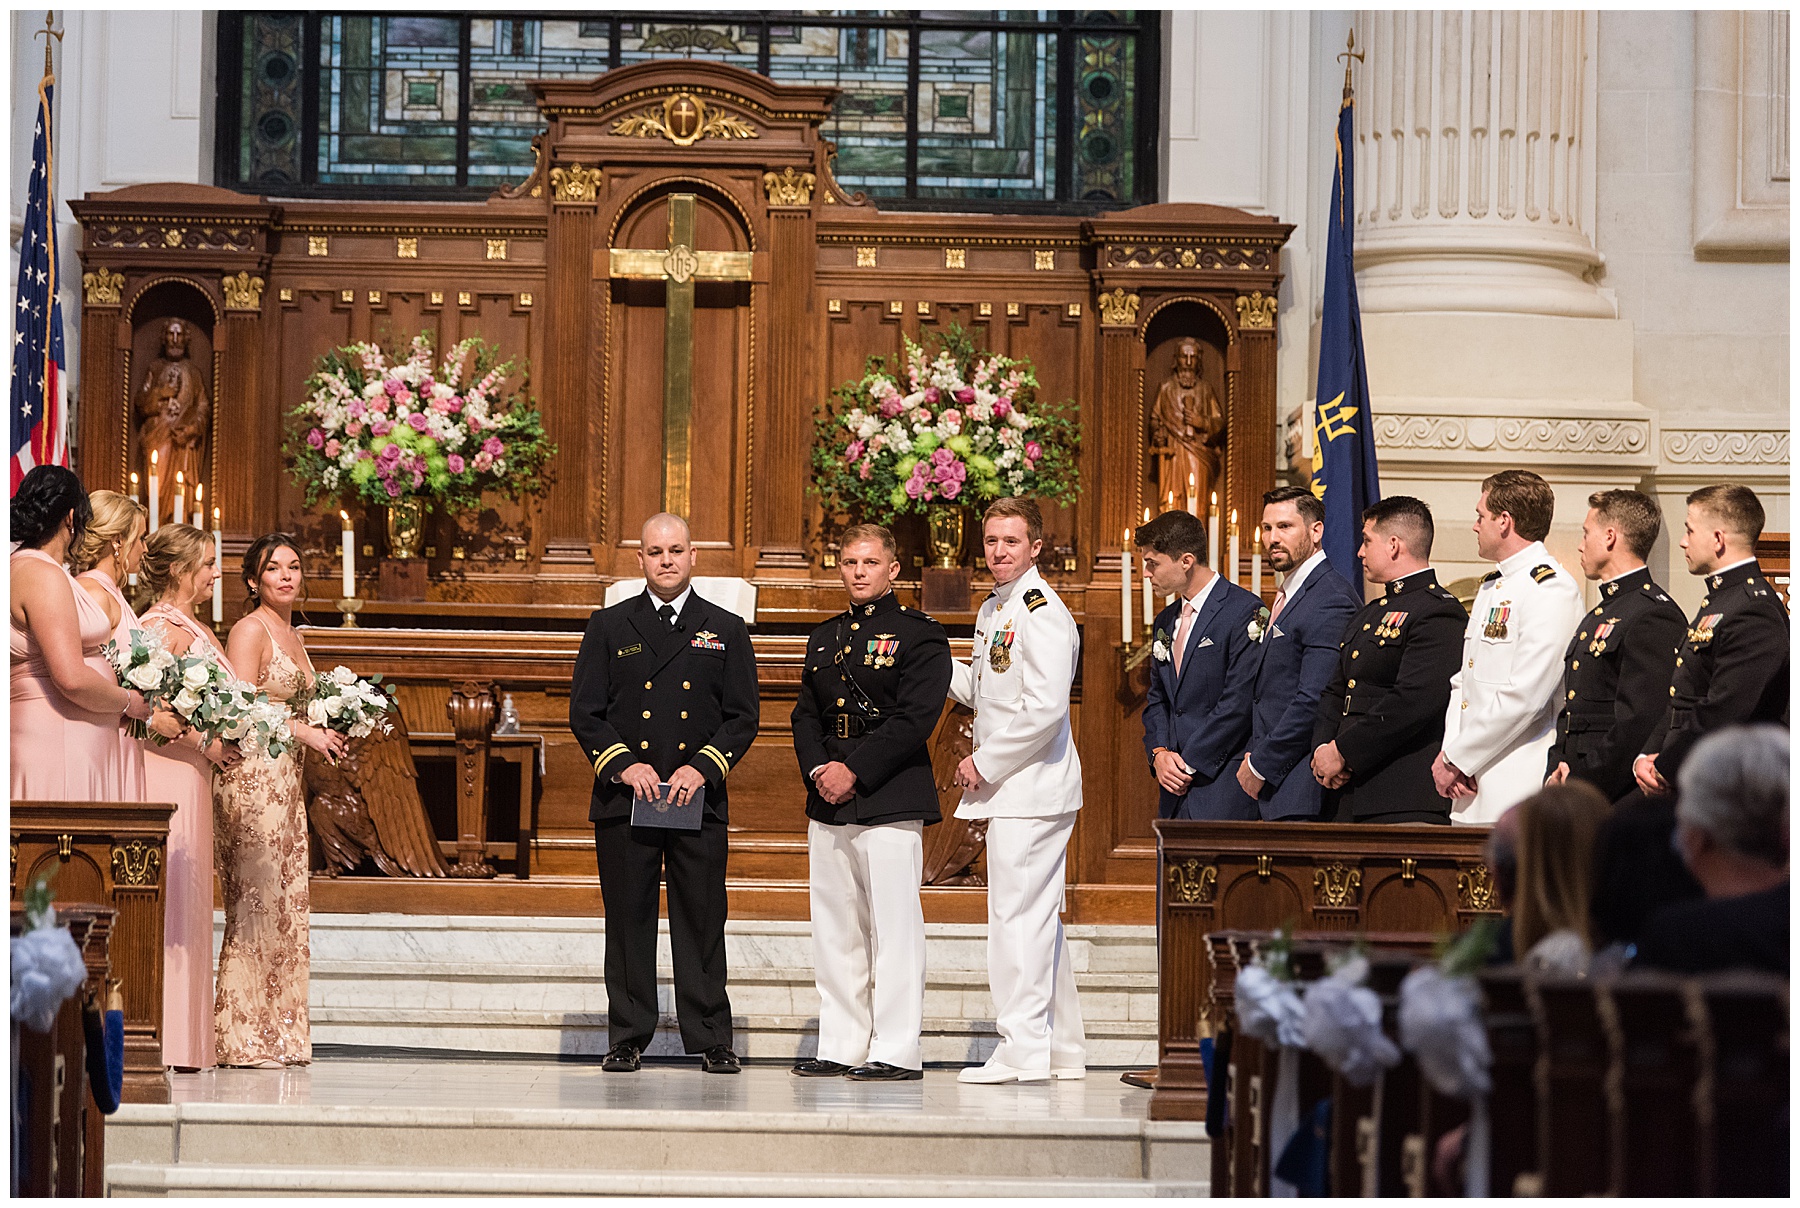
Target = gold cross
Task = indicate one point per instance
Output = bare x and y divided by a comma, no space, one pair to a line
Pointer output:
679,265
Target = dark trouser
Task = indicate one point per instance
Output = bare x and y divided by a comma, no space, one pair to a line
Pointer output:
632,862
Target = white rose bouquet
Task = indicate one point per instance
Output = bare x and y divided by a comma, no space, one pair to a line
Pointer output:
148,666
352,706
203,699
247,717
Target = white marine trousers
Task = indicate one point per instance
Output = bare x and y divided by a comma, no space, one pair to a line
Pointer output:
868,932
1036,1009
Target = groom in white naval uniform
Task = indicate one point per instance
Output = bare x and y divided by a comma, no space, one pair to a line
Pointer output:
1024,778
1507,692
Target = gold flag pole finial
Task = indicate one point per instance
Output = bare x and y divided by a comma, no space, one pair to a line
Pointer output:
1350,52
48,32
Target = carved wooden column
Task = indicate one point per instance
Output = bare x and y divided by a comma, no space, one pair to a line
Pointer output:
572,511
471,709
1250,468
246,505
779,466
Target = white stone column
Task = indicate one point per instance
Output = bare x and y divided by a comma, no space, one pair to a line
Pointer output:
1475,162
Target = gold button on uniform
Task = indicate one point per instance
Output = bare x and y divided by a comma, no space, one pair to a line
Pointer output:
646,683
856,624
1365,626
1351,684
1571,694
1678,660
684,685
684,715
840,702
646,713
1583,636
1574,664
644,745
1671,689
1356,654
1465,704
681,746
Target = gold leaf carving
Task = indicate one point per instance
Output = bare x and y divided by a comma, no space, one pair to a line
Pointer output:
956,257
136,863
1336,885
243,292
865,257
789,188
1043,260
318,245
1119,309
406,247
1257,310
102,287
496,249
1475,888
575,185
1193,883
684,119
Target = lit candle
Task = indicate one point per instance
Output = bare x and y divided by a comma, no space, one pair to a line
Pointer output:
1149,612
1125,589
218,561
180,498
134,488
1256,563
1231,551
1193,498
155,494
1212,533
349,557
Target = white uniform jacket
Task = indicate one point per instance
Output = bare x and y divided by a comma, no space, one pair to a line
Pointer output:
1507,691
1018,681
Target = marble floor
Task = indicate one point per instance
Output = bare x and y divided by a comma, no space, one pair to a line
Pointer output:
761,1090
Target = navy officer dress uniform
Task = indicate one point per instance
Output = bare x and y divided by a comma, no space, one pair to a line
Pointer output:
1616,681
870,697
1384,706
669,692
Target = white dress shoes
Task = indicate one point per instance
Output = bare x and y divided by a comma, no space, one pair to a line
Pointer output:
1071,1072
994,1073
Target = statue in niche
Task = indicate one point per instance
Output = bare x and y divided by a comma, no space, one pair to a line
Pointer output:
1187,429
174,411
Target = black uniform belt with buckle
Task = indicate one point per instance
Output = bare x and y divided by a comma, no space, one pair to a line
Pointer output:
848,725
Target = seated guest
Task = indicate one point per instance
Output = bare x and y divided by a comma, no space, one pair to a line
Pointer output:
1557,827
1501,854
1731,828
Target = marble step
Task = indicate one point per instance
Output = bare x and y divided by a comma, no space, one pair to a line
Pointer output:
251,1147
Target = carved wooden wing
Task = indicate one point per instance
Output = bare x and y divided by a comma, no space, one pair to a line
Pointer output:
382,769
953,846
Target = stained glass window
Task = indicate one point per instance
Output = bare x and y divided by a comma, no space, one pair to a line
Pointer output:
999,110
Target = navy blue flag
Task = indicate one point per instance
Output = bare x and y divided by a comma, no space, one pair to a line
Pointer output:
1343,461
39,422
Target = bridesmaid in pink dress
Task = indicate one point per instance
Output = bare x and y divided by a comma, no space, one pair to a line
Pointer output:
66,699
179,569
109,551
265,963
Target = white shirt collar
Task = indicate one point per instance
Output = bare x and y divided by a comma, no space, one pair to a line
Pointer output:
1198,600
1533,553
680,601
1734,565
1634,570
1297,576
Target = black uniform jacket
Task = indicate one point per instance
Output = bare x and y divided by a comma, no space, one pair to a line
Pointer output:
1616,681
1732,668
875,682
1385,704
644,692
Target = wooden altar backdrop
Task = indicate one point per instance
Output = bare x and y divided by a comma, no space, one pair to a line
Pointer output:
792,284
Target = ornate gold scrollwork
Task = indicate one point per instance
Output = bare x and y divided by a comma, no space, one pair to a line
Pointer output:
1409,869
1337,885
102,287
136,863
789,188
1475,888
1256,310
684,119
1265,867
575,185
406,247
1119,309
242,292
65,846
1193,883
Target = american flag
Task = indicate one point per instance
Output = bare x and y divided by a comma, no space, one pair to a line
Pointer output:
39,416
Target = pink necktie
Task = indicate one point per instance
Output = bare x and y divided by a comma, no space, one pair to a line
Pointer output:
1280,601
1181,632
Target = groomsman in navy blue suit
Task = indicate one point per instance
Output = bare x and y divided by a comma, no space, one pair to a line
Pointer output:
1295,658
1197,712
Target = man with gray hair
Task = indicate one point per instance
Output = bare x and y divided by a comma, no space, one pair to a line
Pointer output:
1731,828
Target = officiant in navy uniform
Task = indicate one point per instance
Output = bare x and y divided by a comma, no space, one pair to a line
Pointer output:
664,692
1202,676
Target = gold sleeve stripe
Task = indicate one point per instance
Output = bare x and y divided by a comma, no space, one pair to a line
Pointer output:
712,753
602,757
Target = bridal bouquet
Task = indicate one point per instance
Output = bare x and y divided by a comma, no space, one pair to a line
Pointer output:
351,706
249,718
392,428
963,426
148,666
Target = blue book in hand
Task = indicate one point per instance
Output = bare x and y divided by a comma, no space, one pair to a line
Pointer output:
663,812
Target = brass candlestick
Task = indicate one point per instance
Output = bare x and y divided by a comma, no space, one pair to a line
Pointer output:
349,606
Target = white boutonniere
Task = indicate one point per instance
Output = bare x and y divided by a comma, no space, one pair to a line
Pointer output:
1159,647
1259,625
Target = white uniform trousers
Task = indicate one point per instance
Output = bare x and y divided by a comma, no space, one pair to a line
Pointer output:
1036,1009
868,941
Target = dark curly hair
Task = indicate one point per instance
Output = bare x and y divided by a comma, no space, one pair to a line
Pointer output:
258,557
46,497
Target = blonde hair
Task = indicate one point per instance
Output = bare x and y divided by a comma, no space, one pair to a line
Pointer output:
116,518
1558,832
174,550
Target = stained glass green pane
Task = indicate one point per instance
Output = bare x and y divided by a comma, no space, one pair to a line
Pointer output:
1106,130
389,100
269,135
505,54
868,123
987,114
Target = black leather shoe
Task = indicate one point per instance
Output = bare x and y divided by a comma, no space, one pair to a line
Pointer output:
622,1058
881,1071
719,1060
818,1067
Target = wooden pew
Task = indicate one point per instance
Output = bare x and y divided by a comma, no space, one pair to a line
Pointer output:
1577,1137
1221,1007
1656,1024
1512,1103
1744,1085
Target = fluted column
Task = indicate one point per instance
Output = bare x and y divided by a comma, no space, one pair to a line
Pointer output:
1475,162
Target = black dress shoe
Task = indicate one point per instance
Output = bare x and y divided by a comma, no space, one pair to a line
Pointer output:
622,1058
881,1071
818,1067
719,1060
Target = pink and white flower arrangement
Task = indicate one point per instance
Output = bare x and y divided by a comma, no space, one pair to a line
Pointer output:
959,427
390,429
